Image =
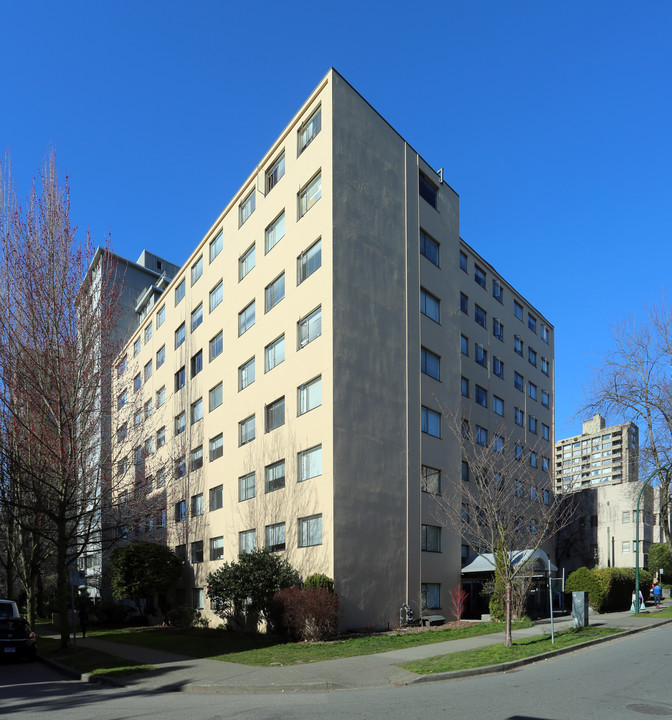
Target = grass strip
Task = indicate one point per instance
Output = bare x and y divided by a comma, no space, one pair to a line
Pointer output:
261,650
497,654
87,660
652,612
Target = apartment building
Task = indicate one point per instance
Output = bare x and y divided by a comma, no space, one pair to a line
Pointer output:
290,388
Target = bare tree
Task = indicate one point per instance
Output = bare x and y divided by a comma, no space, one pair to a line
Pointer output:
503,506
634,383
55,358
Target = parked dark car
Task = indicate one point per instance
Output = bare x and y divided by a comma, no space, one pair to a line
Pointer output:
17,639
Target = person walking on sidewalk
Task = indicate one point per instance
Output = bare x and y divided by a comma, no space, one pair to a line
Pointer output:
83,618
657,593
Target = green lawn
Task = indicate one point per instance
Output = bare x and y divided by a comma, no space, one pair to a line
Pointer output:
651,611
496,654
262,650
86,660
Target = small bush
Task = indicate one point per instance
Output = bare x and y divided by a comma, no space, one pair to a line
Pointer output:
609,589
307,614
181,617
319,580
585,580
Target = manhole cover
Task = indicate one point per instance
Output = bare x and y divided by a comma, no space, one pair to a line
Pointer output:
650,709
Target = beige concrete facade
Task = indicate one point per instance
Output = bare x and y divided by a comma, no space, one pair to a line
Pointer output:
339,364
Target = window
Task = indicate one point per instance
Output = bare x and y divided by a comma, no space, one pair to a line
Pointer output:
197,557
275,232
216,447
215,397
518,381
160,437
216,346
148,409
197,504
180,335
480,316
464,345
246,208
160,316
216,245
216,295
544,333
532,356
481,435
517,309
626,546
196,363
544,366
428,190
431,538
309,396
518,451
275,476
310,327
180,511
274,353
160,356
179,292
463,261
275,414
217,548
246,487
429,247
181,552
275,537
274,292
180,377
498,405
180,423
137,382
122,433
148,332
247,541
310,194
197,411
310,531
533,458
497,290
431,480
431,422
275,172
137,346
431,596
246,374
532,390
626,516
518,345
430,305
498,329
497,367
147,371
545,431
310,463
464,303
519,417
544,463
246,430
481,355
498,446
137,417
121,367
465,387
532,322
308,262
196,317
479,276
246,262
196,270
216,498
481,396
309,129
532,424
246,318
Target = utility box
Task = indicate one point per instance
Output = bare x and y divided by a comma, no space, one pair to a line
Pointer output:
580,609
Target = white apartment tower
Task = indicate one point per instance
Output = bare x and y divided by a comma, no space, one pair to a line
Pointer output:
295,375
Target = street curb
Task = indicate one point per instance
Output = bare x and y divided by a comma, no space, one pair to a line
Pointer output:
82,677
515,664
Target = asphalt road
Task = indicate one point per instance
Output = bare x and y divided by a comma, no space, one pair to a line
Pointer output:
627,678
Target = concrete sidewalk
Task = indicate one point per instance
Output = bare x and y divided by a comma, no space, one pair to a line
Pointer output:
180,673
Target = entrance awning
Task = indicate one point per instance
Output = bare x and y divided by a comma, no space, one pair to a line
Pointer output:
485,563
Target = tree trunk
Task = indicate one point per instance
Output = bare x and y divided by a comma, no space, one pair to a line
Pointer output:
62,591
508,641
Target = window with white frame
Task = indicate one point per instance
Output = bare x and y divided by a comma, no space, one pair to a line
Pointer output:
180,335
180,423
197,411
430,422
246,430
498,405
518,345
160,316
479,276
246,262
217,548
308,262
430,305
216,447
215,397
431,538
431,480
197,557
275,232
498,329
180,291
197,270
246,374
160,356
246,208
196,363
309,129
274,292
275,414
148,332
310,194
197,506
216,498
532,356
274,353
147,371
545,398
497,367
160,437
275,476
137,346
246,487
309,463
137,382
309,395
430,594
481,355
275,537
216,295
497,290
246,318
149,408
275,172
216,345
310,327
216,245
310,531
247,541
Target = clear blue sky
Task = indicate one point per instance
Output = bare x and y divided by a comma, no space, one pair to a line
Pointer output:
551,118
